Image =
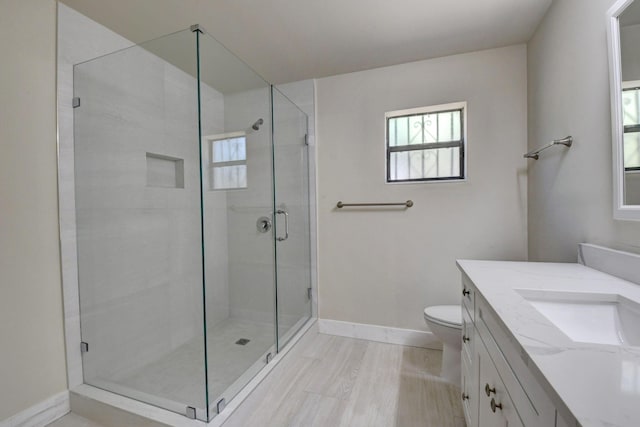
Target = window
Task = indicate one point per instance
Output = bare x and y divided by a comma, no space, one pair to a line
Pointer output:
631,122
426,144
228,161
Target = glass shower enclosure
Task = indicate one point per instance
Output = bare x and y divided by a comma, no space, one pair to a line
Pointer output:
192,215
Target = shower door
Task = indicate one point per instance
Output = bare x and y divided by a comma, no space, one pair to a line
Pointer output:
292,213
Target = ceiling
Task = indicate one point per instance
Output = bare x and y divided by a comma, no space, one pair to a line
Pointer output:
290,40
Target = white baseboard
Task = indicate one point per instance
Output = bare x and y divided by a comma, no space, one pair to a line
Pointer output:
41,413
377,333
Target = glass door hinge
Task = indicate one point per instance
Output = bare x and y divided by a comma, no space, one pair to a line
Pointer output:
220,405
191,412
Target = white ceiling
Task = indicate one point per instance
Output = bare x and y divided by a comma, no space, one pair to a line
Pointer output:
290,40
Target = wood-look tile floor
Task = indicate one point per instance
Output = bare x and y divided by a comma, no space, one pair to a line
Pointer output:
329,381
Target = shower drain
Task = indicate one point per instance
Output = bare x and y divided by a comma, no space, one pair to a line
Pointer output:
242,341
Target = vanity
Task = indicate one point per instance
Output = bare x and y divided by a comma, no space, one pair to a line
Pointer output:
551,344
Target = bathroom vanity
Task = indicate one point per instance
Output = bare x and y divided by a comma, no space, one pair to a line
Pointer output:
548,344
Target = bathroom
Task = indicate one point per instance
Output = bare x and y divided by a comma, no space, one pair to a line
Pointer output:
371,270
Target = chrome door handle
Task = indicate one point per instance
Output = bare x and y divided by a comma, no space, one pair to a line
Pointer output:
286,225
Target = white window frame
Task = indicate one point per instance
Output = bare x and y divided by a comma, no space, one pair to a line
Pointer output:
441,108
211,164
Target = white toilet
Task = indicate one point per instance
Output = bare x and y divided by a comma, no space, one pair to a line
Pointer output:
445,321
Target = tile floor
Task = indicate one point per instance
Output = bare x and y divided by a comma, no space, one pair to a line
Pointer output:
338,381
329,381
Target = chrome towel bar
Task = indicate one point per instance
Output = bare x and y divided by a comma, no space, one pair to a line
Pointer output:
406,204
566,141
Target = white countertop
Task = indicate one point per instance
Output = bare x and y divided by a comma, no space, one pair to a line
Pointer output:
599,384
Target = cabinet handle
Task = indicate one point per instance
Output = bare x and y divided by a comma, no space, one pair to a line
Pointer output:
465,396
465,292
489,390
465,339
495,405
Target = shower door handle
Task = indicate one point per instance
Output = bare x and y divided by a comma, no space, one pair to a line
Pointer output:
286,225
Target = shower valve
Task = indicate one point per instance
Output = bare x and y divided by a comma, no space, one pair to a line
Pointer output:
263,224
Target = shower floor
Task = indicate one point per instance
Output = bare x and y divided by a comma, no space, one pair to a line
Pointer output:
178,376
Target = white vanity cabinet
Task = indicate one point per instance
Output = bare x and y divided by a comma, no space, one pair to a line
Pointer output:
498,389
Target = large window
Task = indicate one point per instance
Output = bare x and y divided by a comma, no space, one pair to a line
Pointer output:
228,161
426,144
631,121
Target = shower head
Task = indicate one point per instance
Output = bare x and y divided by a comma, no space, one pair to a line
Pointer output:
256,125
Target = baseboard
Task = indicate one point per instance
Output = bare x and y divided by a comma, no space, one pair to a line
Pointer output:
377,333
42,413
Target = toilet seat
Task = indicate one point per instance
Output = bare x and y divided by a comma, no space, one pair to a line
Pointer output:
444,315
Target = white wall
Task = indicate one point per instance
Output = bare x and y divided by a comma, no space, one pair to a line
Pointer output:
570,192
384,267
31,329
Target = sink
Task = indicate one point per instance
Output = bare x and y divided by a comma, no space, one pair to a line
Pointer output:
589,317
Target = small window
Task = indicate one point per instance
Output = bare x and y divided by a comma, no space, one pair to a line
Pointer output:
228,161
426,144
631,122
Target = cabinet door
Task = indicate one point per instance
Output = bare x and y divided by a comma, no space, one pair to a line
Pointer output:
468,338
469,375
469,396
495,408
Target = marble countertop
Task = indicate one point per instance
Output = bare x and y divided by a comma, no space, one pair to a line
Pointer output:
599,384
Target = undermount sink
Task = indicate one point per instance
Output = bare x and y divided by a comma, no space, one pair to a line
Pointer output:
589,317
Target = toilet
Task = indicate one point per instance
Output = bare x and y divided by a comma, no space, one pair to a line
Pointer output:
445,321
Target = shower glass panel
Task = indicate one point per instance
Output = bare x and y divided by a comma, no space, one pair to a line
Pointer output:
291,180
138,214
238,204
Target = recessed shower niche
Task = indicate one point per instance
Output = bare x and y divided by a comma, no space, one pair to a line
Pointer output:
164,171
170,280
